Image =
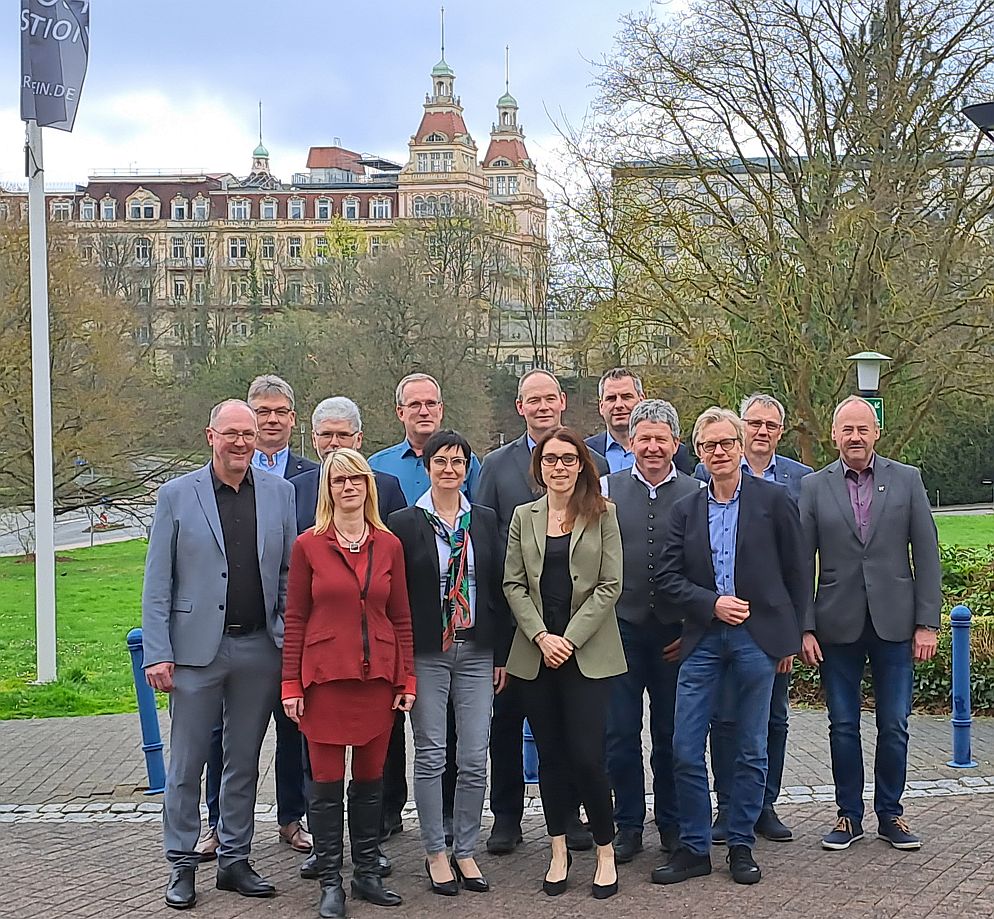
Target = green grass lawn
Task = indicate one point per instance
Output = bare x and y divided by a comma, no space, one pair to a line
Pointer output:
99,596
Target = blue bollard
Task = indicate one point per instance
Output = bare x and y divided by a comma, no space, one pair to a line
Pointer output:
149,717
961,720
529,754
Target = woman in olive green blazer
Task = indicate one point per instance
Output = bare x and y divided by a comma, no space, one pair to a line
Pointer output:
562,578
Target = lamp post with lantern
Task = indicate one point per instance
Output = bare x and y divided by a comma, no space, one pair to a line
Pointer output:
868,365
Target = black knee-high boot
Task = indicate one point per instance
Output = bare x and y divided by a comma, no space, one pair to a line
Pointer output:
365,806
327,827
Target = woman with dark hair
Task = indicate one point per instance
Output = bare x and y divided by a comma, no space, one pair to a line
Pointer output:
562,578
460,649
347,667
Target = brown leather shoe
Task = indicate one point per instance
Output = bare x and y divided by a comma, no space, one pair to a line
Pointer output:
297,837
206,846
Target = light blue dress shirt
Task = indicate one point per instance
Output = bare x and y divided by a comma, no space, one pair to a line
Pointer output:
401,461
617,456
769,473
723,525
278,464
444,552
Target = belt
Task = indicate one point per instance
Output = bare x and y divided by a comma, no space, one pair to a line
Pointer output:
462,635
238,629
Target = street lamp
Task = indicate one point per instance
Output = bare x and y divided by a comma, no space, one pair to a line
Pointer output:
868,365
982,115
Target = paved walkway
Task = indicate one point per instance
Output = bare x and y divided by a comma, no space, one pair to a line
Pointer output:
78,839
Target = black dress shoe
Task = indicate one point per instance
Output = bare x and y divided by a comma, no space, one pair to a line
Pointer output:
682,866
242,878
742,866
578,837
627,844
771,827
603,891
504,838
309,868
181,891
555,888
473,885
442,888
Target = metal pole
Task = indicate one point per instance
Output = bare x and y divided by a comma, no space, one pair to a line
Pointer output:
148,716
961,720
41,401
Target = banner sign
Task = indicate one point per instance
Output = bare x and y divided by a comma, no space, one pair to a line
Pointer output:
55,47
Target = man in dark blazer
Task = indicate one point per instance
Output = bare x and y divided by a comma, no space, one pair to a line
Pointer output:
867,520
619,390
764,418
733,561
272,400
505,483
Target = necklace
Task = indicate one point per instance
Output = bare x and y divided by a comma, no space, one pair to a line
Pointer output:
559,516
353,544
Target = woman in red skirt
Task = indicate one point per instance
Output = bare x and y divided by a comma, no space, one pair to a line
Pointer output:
347,666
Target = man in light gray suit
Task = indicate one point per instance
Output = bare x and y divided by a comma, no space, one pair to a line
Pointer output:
868,521
212,629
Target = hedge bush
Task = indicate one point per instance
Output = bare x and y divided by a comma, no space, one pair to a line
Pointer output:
967,578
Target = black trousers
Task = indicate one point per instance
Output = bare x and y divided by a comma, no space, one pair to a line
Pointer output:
568,714
395,772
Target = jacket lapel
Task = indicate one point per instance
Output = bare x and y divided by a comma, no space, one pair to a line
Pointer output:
258,487
744,526
837,485
427,533
881,488
540,525
576,535
523,459
208,503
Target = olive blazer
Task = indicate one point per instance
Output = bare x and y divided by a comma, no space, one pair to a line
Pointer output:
595,566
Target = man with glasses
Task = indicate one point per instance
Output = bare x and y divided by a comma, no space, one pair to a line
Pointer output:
271,398
763,417
419,409
212,628
733,561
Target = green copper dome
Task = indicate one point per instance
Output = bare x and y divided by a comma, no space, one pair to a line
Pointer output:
507,99
441,69
260,151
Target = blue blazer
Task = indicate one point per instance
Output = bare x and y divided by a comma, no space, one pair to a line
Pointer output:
305,485
682,460
295,465
787,472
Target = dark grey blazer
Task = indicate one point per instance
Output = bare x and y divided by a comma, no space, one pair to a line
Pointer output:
895,577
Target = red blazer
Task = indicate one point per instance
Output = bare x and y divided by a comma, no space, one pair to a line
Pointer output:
324,616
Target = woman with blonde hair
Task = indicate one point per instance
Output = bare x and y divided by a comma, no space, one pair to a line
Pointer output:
347,667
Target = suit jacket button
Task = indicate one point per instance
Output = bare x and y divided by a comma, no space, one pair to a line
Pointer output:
220,606
575,576
224,574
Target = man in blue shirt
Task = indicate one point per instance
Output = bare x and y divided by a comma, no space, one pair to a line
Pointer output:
742,601
420,409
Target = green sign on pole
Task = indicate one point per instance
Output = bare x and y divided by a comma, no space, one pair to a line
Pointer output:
878,407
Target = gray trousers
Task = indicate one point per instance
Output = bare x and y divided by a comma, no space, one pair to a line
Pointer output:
241,686
465,672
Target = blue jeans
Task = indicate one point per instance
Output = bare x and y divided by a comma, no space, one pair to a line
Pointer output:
724,743
647,671
893,672
291,795
725,654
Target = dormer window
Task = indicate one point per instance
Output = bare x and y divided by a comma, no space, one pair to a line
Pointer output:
295,209
350,208
436,138
501,162
268,209
201,208
179,208
142,208
238,209
323,209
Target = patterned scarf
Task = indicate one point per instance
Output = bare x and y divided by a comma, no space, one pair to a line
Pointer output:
455,608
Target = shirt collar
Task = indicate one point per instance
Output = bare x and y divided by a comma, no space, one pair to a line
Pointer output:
611,442
261,460
846,470
712,498
427,503
770,466
641,478
532,443
406,448
218,484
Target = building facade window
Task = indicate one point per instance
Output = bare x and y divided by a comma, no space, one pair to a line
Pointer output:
199,292
380,209
179,290
141,209
294,292
180,208
239,328
321,248
350,208
295,209
268,249
86,251
323,210
268,289
177,249
294,247
61,210
88,210
145,293
436,161
238,209
375,245
201,208
237,247
143,249
199,250
268,209
108,209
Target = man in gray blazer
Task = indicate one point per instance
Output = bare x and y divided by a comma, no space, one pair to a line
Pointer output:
212,629
868,521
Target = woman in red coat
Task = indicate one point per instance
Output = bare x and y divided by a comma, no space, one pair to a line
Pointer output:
347,666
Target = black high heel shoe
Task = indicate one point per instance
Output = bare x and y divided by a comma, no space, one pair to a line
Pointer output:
443,889
603,891
474,885
555,888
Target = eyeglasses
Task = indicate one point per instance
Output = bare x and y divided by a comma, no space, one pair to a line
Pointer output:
458,463
430,404
567,459
709,446
263,413
338,481
232,437
335,436
755,424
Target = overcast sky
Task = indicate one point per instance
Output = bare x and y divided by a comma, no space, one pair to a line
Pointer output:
176,83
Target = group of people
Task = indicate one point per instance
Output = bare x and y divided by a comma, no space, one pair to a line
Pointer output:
558,581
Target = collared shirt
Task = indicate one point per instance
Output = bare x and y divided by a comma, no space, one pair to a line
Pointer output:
860,486
636,474
276,465
532,443
769,473
244,604
401,461
444,552
723,526
617,456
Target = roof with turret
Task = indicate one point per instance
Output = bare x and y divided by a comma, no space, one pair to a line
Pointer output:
441,69
509,148
450,124
506,100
